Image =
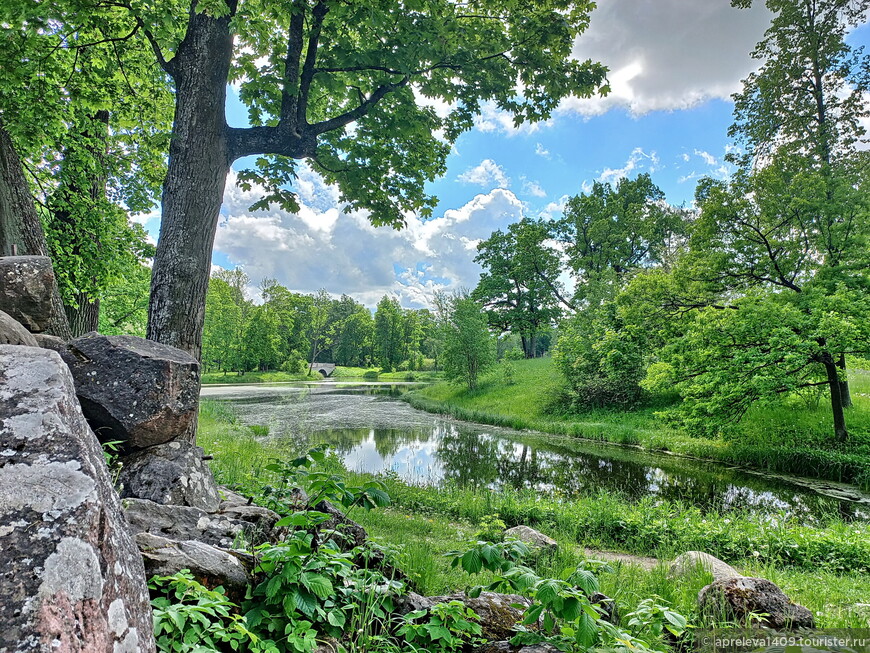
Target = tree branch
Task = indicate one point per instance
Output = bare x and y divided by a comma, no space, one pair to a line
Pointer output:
360,111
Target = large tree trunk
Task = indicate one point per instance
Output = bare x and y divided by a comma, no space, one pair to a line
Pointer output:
84,315
840,431
845,394
20,229
199,162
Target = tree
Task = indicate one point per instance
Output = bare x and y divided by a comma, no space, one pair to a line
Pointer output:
309,69
223,345
388,333
518,287
469,348
611,233
787,236
317,323
87,109
353,345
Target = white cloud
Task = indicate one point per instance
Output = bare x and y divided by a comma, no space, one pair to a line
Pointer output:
708,158
492,119
669,54
486,173
638,161
320,247
541,151
533,188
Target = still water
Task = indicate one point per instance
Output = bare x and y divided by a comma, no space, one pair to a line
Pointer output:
373,431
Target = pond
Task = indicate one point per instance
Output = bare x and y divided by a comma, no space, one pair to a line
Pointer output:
372,430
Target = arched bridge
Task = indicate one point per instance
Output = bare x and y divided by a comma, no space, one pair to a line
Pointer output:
326,369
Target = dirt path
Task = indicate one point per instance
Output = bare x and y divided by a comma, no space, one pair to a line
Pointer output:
625,558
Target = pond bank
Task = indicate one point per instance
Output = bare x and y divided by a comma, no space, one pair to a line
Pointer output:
528,404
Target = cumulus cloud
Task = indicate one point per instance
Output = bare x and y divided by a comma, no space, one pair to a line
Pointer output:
542,151
638,162
533,188
321,247
486,173
669,54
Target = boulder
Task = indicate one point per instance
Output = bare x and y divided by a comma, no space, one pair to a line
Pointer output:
12,333
737,598
134,390
690,561
532,537
184,523
497,613
261,520
507,647
25,290
171,473
607,605
211,566
49,342
71,577
349,533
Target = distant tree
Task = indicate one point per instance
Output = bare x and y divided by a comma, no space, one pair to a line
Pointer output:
469,348
388,334
518,287
318,321
125,303
223,346
261,339
353,344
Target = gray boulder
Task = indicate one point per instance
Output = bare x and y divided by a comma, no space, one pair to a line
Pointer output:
497,613
211,566
345,531
184,523
49,342
12,333
134,390
25,290
692,560
172,473
736,598
533,538
71,577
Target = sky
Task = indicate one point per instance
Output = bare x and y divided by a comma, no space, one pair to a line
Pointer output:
673,67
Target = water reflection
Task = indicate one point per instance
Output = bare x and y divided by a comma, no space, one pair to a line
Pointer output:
373,432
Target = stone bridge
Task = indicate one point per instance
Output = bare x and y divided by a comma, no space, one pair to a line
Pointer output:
326,369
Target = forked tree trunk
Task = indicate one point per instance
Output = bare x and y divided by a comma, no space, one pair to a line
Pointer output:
199,162
20,229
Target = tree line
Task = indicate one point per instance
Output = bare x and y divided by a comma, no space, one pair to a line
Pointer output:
755,293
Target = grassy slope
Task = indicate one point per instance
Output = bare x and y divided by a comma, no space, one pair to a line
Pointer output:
800,431
425,523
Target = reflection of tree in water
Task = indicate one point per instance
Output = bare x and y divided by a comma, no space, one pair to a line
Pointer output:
469,459
387,441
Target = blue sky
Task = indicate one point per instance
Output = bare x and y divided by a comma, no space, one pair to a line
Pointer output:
674,65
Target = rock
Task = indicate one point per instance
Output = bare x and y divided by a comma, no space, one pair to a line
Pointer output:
329,645
691,560
507,647
736,598
231,499
211,566
607,605
262,520
71,577
49,342
12,333
350,534
25,290
532,537
172,473
184,523
134,390
497,613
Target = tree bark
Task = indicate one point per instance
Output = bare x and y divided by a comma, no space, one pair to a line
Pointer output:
840,431
845,394
84,315
20,229
199,162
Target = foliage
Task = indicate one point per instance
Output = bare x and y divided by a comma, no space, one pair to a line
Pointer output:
469,347
190,617
450,627
519,287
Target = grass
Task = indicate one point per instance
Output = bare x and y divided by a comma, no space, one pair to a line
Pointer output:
825,567
793,437
340,373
